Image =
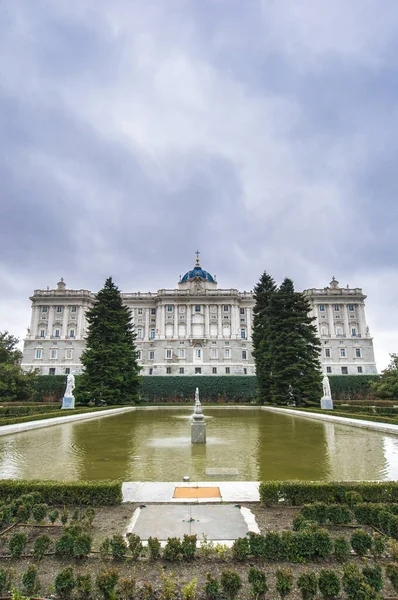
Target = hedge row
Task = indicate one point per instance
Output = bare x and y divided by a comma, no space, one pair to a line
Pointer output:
297,493
53,415
19,411
344,387
80,493
368,410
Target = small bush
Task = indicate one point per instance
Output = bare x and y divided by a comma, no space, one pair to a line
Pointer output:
41,546
30,580
374,577
341,549
6,578
126,588
308,585
64,545
206,547
256,543
23,513
39,512
189,590
241,549
378,545
105,548
299,522
329,584
84,586
230,583
211,587
352,498
106,582
169,586
18,544
322,543
258,582
172,549
135,545
392,574
64,516
273,547
82,545
118,546
154,548
284,582
221,551
53,515
64,583
361,542
147,592
188,546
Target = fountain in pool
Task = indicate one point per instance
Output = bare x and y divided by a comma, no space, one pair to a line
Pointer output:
198,424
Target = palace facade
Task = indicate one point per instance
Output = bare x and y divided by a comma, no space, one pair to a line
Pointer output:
196,328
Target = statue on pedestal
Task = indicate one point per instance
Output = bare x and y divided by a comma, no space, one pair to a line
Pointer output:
326,400
69,399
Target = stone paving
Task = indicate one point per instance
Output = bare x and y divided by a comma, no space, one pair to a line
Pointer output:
163,492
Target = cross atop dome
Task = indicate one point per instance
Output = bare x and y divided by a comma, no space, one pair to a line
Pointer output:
197,259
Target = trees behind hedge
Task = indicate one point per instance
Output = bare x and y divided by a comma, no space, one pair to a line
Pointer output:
286,346
387,385
111,371
15,384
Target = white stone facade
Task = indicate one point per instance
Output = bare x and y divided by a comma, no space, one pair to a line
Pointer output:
196,329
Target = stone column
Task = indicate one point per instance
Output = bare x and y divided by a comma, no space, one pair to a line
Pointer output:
249,323
64,331
346,323
34,322
80,322
175,321
362,319
219,321
162,334
50,320
331,319
207,321
147,317
188,320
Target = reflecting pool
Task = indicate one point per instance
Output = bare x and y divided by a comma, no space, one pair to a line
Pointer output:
245,444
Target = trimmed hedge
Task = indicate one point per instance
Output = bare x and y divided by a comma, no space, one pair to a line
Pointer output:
50,387
19,411
54,415
84,493
297,493
345,387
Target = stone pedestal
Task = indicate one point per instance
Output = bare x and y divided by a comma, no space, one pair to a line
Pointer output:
198,432
68,402
326,403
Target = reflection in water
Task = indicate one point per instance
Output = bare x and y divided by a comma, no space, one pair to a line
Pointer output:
155,445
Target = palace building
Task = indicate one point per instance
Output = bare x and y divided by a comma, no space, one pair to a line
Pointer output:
196,328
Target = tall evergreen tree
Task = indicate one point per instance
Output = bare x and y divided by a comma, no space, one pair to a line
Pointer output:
262,352
294,347
15,384
111,371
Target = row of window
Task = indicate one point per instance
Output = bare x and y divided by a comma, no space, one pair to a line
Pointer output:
53,354
197,353
152,334
198,371
336,307
197,308
59,309
343,353
344,370
57,333
340,331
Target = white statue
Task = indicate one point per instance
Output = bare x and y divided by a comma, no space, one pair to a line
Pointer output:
327,393
70,386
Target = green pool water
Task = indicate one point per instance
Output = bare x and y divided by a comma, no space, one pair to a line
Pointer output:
242,444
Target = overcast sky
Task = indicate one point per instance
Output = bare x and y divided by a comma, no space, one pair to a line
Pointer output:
263,133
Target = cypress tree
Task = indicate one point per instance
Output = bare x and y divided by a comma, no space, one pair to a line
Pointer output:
262,351
111,371
294,347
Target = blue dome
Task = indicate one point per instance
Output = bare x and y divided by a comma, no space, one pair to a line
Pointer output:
197,272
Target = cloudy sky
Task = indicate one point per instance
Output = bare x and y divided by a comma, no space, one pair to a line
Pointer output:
263,132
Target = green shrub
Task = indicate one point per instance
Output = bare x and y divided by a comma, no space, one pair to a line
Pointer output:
241,549
211,587
147,592
23,513
172,549
53,515
238,388
79,493
189,590
284,582
299,522
64,516
322,543
154,548
273,547
308,585
3,580
329,584
188,546
75,515
106,582
30,580
135,545
256,543
374,577
82,545
105,548
169,586
258,582
64,583
230,583
352,498
41,546
378,545
356,586
392,574
341,549
126,588
64,545
39,512
118,546
17,544
361,542
84,586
